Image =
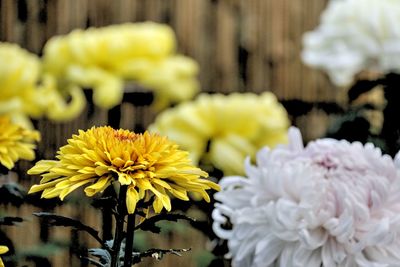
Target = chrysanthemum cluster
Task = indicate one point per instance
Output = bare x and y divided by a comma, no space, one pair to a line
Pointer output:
103,59
149,164
331,203
16,143
354,36
20,95
222,129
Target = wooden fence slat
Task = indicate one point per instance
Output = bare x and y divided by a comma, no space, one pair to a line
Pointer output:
8,20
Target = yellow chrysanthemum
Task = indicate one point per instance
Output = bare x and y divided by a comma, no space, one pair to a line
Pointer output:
22,97
223,130
172,80
103,59
3,249
147,163
16,142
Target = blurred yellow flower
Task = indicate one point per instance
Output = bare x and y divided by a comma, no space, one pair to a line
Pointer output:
23,93
16,143
147,163
172,80
223,130
103,59
3,249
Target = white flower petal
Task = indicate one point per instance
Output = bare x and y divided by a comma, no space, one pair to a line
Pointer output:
313,239
267,250
305,257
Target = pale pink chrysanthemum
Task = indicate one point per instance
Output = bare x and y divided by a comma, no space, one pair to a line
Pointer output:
331,203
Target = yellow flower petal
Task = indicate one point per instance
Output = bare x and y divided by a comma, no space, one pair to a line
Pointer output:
7,161
157,205
163,196
161,183
132,197
51,192
181,194
68,189
3,249
98,186
40,187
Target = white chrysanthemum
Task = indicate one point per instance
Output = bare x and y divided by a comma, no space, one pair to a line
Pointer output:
354,36
332,203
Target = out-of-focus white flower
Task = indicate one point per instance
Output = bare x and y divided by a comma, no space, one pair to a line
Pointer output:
332,203
222,130
355,35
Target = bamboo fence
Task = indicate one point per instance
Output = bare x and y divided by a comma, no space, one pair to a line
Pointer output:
241,46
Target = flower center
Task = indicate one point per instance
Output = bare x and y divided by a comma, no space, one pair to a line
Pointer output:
327,163
125,136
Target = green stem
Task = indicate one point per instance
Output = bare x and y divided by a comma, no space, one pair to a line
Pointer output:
119,226
107,214
130,235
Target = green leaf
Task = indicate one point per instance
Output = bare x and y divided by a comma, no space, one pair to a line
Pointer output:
12,193
150,223
57,220
10,220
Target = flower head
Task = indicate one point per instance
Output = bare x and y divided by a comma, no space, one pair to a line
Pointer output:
20,95
104,58
224,129
16,142
172,80
331,203
147,163
3,249
355,36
